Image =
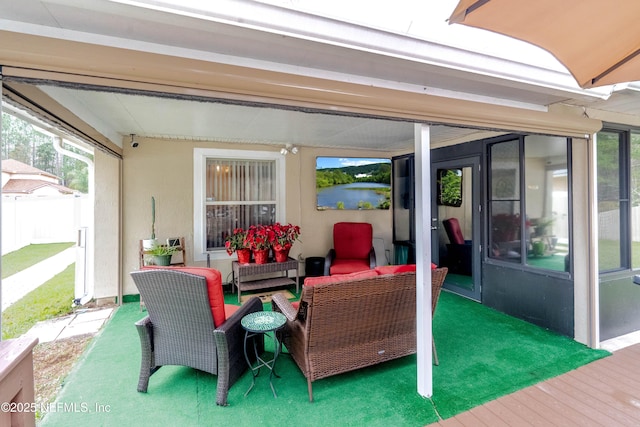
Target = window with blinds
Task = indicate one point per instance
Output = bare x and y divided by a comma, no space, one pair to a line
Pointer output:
239,193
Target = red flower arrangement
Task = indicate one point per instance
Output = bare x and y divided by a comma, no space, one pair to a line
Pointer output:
260,237
284,236
236,241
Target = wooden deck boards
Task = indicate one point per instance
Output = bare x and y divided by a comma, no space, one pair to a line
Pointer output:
603,393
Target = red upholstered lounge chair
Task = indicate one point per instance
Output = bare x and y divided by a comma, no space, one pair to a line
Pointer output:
352,249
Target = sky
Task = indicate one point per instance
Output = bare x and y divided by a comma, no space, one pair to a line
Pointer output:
340,162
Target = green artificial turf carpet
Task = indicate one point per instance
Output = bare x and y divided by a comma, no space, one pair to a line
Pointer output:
459,280
550,262
483,355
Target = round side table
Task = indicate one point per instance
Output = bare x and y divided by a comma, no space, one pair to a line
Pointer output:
265,323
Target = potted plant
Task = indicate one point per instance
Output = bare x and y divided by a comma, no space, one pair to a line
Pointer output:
260,239
284,237
162,254
236,242
543,226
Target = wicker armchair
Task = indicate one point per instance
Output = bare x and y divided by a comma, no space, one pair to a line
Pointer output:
179,329
437,280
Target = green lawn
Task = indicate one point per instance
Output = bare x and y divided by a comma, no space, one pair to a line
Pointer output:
609,254
50,300
16,261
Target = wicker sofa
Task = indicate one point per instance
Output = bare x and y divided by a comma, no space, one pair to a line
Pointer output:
343,323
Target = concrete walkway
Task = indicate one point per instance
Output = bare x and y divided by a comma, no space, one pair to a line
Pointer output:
82,321
18,285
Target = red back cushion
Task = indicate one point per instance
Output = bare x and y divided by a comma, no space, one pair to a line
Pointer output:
214,289
352,239
452,227
395,269
336,278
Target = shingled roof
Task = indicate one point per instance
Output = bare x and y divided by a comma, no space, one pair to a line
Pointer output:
28,186
13,167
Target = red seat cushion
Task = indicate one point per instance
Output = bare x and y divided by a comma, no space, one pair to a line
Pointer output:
346,266
229,309
214,289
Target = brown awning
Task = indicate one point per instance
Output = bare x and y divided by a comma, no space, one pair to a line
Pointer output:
598,41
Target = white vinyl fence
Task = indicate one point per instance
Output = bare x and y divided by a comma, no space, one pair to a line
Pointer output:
609,224
47,219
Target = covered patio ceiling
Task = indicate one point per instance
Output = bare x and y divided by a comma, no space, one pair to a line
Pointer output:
275,38
178,119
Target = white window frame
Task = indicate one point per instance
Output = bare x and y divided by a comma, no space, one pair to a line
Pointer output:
200,156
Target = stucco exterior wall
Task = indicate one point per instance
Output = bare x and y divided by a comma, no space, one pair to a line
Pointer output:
164,169
106,223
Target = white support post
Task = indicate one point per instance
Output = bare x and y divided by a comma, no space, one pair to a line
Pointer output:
423,257
594,267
